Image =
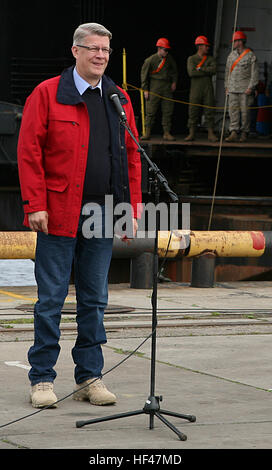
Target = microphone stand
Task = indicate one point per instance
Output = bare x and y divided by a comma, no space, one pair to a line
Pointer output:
152,404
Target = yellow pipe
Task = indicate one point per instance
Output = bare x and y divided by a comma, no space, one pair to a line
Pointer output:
17,245
227,243
22,245
173,244
124,70
142,110
220,243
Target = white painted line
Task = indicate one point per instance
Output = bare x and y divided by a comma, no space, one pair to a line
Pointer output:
17,364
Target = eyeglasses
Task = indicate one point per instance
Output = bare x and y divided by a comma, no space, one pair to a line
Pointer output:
95,50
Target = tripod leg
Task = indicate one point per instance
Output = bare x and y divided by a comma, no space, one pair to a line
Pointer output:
182,436
190,418
80,424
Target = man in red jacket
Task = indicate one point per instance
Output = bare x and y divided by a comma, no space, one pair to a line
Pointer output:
73,154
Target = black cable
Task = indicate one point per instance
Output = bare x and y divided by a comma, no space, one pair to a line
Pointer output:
102,375
72,393
97,378
164,258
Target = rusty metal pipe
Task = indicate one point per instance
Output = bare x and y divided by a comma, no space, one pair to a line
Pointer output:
22,245
219,243
227,243
17,245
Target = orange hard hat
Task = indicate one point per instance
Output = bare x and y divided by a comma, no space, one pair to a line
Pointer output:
202,40
163,42
238,35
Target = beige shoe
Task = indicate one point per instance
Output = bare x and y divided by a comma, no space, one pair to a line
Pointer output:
42,395
96,393
168,136
233,137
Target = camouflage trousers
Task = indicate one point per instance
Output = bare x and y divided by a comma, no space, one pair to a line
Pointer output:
239,111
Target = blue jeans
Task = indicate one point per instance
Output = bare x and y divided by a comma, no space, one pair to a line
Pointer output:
54,259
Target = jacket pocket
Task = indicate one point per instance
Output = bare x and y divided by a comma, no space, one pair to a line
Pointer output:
57,197
58,186
63,115
60,152
62,133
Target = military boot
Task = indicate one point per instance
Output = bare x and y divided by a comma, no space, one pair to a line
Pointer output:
146,136
233,137
168,136
191,135
211,136
243,137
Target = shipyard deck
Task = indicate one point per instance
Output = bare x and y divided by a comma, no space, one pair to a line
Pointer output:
254,147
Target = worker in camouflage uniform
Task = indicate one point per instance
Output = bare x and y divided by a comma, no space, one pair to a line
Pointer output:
159,76
201,67
241,79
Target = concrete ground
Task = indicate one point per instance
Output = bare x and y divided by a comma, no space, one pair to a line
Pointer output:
213,360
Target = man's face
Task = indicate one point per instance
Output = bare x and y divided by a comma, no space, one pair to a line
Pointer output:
91,64
204,48
238,43
162,51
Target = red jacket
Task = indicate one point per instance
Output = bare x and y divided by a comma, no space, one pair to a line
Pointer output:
53,147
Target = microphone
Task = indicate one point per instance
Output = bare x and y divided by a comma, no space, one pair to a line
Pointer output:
114,97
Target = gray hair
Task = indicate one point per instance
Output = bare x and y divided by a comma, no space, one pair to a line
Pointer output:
86,29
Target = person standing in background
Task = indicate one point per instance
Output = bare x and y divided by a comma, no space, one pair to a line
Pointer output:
241,80
201,67
159,80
